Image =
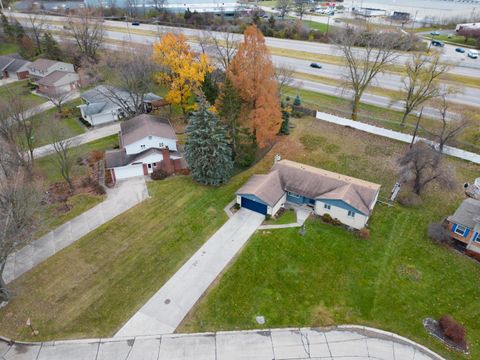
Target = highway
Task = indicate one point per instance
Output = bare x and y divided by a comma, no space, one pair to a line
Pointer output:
469,96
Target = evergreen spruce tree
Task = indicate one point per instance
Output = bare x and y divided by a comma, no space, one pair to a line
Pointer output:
207,149
297,101
210,88
285,128
18,31
50,47
229,105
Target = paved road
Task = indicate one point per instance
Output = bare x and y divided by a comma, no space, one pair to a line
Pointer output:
91,135
344,342
126,194
167,308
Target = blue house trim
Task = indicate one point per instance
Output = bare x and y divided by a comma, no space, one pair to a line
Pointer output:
253,198
341,204
299,199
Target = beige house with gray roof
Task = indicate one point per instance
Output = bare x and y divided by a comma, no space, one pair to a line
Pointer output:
53,77
348,199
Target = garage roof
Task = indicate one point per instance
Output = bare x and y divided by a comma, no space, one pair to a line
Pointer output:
267,188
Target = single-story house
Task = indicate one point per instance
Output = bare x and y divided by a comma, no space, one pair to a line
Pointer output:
14,67
464,224
345,198
101,107
147,143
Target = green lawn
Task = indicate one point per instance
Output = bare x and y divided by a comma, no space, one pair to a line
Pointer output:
287,217
53,215
20,88
45,120
383,117
8,48
50,170
459,40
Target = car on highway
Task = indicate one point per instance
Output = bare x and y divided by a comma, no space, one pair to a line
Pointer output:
460,50
135,23
315,66
435,33
473,54
438,43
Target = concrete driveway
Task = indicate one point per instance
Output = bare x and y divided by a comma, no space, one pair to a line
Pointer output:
167,308
123,196
345,342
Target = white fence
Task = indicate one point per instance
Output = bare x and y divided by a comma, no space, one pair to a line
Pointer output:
458,153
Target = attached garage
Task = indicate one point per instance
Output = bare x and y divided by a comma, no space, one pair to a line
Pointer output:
254,205
129,171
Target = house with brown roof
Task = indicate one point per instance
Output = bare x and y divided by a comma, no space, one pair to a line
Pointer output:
53,77
347,199
464,225
147,143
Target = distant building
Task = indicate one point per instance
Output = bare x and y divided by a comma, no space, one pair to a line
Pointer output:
369,12
469,26
400,16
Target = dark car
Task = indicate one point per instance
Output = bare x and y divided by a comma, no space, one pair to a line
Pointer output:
460,50
315,66
438,43
135,23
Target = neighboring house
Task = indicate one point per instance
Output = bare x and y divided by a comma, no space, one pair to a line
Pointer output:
464,225
14,67
147,143
345,198
53,77
101,107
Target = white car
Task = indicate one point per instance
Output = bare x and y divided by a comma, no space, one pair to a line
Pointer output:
473,54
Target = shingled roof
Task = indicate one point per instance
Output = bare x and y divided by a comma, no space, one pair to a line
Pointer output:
313,183
467,214
145,125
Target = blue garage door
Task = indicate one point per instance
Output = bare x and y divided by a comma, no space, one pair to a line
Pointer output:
253,205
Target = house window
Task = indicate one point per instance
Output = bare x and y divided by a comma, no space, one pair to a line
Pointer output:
149,166
142,146
476,238
327,206
460,230
294,195
351,213
150,137
160,145
154,164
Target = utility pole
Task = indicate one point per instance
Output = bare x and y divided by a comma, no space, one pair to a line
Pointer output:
419,117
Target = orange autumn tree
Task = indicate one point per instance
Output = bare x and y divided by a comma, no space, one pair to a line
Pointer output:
252,74
182,70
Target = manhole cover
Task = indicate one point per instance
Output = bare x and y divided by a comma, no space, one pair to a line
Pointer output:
167,301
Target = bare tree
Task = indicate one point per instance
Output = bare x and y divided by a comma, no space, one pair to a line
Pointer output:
87,30
421,165
64,153
421,83
58,98
301,7
222,46
17,129
450,128
36,24
363,64
18,203
131,79
283,7
284,76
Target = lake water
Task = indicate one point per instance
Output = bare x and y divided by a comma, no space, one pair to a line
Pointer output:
425,8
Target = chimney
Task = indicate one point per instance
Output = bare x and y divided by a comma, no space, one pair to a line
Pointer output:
167,162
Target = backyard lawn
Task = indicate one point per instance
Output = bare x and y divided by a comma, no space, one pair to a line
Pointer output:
392,280
20,88
8,48
45,120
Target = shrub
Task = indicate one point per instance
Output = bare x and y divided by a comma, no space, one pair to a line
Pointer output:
99,189
452,330
363,233
159,175
438,233
326,218
268,217
95,156
66,112
87,182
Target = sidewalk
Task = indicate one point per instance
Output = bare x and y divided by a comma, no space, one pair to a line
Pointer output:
125,195
91,135
342,342
167,308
